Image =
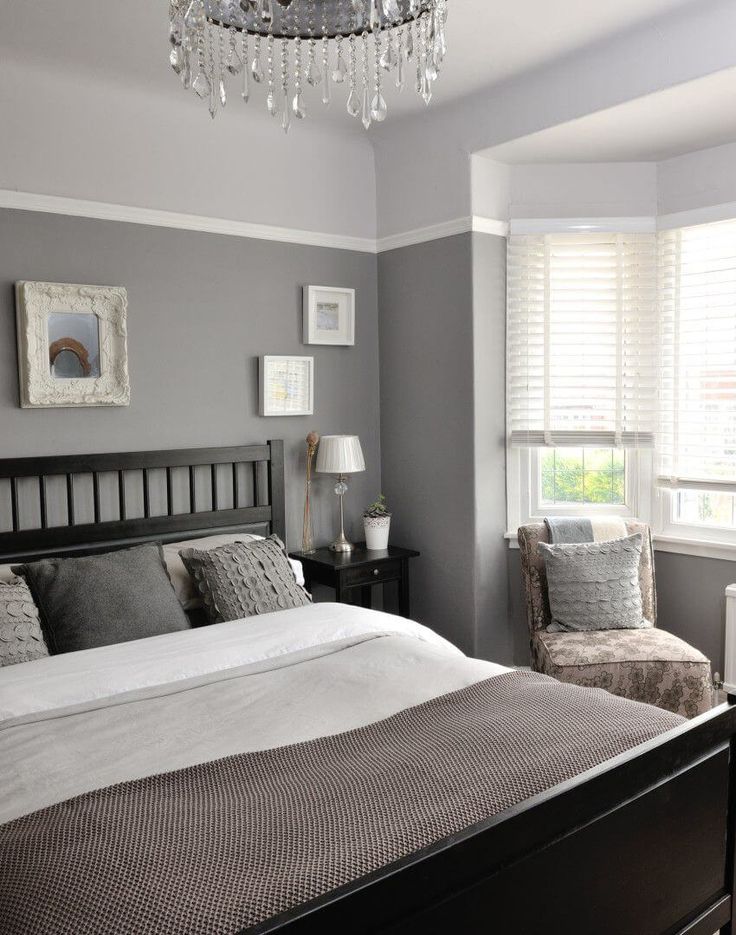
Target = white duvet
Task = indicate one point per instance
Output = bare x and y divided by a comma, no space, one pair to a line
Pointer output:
85,720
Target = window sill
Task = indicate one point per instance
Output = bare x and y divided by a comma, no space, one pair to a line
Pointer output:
681,546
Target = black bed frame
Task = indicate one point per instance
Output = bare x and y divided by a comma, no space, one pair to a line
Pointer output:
642,845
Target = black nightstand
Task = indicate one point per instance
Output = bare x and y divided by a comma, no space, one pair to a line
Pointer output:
359,570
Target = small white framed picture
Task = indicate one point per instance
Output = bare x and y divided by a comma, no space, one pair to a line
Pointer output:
287,386
329,315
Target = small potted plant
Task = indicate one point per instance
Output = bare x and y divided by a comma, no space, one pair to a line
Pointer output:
376,522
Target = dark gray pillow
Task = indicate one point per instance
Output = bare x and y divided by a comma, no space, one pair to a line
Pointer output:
21,639
243,579
102,599
594,585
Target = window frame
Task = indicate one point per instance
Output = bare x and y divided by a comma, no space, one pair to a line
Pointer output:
524,487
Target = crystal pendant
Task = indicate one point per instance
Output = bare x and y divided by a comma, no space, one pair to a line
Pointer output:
391,10
400,75
325,86
409,48
234,62
375,22
389,58
378,108
366,117
223,92
313,74
213,106
245,90
266,11
257,70
354,103
427,91
286,115
186,75
413,7
297,105
341,70
431,71
195,18
176,30
271,104
176,59
201,85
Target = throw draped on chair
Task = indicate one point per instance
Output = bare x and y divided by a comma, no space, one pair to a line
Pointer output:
647,665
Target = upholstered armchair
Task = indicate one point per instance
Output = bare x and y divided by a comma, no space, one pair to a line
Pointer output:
647,665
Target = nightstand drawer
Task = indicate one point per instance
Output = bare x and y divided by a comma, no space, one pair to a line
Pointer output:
371,574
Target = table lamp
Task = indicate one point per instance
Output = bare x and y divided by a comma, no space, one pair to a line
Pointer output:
340,455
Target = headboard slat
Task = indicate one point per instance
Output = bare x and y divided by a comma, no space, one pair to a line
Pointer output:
267,513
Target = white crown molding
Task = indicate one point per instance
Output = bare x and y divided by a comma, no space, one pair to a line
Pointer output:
462,225
424,234
629,225
74,207
706,215
490,226
103,211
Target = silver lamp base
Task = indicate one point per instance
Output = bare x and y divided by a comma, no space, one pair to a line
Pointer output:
341,544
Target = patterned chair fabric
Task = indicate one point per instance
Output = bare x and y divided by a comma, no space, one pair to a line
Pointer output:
647,665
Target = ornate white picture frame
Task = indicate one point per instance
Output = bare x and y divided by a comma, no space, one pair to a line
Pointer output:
72,345
287,386
329,315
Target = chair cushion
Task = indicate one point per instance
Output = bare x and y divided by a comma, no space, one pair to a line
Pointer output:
644,665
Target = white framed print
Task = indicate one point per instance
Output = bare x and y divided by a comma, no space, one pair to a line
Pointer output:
72,345
287,386
329,315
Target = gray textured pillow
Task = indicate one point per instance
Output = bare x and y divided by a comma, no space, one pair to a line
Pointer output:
244,579
21,639
594,585
102,599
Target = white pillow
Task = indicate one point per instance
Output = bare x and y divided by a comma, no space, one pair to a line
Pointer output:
181,580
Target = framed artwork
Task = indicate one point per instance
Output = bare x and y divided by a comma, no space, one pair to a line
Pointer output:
72,345
287,386
329,315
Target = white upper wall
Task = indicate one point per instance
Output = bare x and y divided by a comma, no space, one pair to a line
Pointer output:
66,135
429,155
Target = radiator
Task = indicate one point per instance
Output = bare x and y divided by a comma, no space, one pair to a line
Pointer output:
729,675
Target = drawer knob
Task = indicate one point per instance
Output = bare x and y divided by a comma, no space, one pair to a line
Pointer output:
375,571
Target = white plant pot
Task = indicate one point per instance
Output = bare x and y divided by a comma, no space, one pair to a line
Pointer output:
376,532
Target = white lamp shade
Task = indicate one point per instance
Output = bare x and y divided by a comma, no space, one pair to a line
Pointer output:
340,454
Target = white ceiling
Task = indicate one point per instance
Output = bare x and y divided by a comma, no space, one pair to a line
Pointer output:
488,40
689,117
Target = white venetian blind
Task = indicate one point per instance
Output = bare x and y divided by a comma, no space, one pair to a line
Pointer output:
697,436
582,340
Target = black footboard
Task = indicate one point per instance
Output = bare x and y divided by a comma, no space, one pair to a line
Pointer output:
641,845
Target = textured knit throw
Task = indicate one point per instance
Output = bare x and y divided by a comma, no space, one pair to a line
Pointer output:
219,847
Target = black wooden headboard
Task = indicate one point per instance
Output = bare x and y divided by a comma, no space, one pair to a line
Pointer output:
109,501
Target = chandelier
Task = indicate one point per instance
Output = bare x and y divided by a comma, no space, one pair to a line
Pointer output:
284,45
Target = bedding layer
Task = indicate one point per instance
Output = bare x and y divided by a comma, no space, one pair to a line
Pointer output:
74,723
224,845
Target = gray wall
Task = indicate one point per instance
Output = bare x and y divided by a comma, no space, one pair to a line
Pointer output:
442,411
202,307
494,638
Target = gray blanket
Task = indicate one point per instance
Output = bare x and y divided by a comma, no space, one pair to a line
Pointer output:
226,844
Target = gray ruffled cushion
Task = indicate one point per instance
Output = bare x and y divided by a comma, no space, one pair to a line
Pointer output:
244,579
21,639
594,585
